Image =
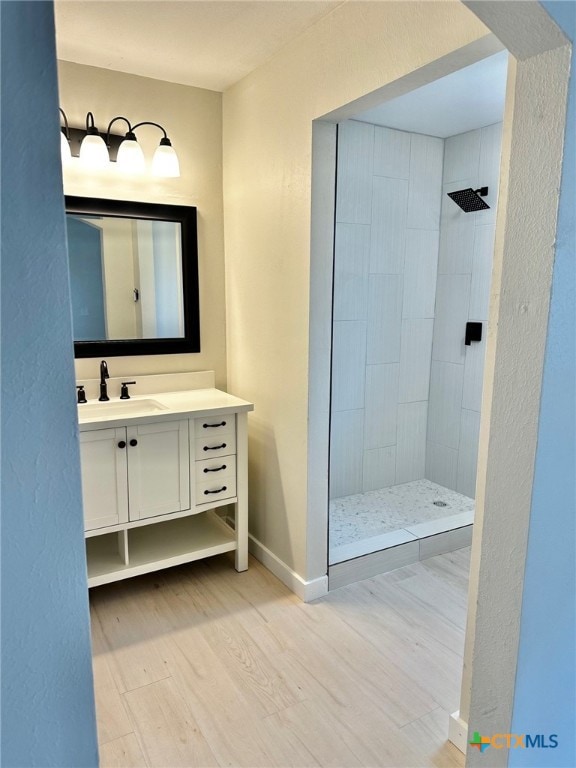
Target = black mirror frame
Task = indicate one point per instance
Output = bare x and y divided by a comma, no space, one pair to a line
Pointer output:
186,216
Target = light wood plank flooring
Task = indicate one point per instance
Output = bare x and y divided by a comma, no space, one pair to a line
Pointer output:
201,666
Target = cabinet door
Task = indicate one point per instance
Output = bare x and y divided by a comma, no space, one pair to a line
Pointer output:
104,477
159,469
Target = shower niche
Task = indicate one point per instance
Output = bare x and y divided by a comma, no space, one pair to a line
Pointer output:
414,237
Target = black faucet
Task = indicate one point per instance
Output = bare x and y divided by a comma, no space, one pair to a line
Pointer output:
103,376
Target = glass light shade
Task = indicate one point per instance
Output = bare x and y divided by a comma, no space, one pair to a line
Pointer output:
130,157
165,162
94,152
65,152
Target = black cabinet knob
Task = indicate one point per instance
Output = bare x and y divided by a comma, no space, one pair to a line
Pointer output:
121,444
133,442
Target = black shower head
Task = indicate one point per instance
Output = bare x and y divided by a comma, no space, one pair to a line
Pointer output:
469,199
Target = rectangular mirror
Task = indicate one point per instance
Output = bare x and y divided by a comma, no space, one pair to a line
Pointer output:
133,276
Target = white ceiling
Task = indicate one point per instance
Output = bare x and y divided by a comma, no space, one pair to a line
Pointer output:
205,43
467,99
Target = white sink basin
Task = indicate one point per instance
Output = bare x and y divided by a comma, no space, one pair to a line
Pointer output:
119,408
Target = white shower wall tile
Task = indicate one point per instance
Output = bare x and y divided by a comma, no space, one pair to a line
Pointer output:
441,464
351,262
489,171
379,470
481,272
388,229
462,156
411,442
346,453
474,373
420,268
452,304
348,365
380,414
456,244
468,453
445,403
355,164
425,192
391,153
384,319
415,356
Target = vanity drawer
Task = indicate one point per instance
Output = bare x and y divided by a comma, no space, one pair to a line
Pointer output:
209,426
216,489
215,469
215,445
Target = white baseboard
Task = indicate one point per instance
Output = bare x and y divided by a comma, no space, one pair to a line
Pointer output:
305,590
458,732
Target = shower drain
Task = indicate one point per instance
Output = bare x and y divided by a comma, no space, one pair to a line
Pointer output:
440,504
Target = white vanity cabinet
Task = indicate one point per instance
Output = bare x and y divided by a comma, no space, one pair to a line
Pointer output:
131,473
153,485
158,469
104,477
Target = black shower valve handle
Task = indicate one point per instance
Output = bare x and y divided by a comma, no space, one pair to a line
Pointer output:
473,333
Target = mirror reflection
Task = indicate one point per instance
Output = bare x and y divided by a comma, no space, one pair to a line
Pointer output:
126,277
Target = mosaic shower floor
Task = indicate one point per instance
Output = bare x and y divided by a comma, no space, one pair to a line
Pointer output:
367,522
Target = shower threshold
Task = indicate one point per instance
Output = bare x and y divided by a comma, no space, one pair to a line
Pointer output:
381,530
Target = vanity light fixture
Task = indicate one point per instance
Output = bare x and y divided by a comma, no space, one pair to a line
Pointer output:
93,150
165,160
130,157
97,152
65,150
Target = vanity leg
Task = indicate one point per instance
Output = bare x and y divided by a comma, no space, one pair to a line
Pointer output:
123,547
242,492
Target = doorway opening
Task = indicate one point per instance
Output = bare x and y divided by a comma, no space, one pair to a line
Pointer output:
416,199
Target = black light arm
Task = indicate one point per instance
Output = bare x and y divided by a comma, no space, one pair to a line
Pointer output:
129,135
148,122
91,129
66,127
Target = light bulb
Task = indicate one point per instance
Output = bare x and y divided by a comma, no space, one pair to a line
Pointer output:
94,152
165,161
130,157
65,152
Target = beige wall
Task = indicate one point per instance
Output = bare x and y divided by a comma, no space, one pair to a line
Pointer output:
268,117
193,120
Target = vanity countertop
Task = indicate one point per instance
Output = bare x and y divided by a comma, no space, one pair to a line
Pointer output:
167,406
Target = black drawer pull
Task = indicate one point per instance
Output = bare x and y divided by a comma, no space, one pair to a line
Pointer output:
218,491
216,469
207,426
121,444
214,447
133,443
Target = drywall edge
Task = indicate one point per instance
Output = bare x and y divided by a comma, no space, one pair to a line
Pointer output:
524,255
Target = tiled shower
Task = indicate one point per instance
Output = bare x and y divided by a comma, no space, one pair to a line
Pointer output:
410,270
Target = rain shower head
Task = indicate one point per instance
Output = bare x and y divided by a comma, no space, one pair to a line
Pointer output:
469,199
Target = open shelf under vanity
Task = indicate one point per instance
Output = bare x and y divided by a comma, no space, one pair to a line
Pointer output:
134,551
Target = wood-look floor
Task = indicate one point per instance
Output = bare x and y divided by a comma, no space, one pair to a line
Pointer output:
201,666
